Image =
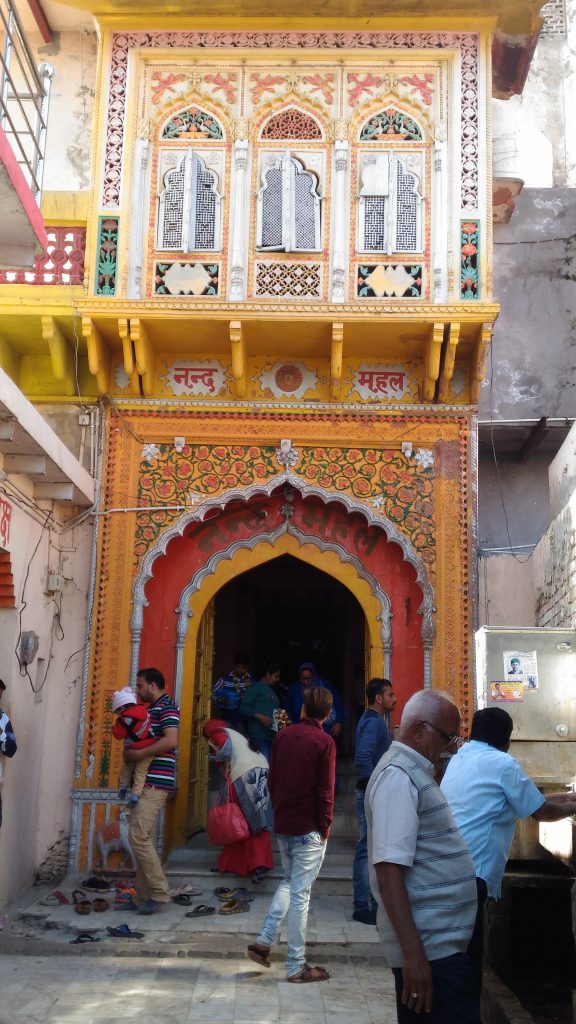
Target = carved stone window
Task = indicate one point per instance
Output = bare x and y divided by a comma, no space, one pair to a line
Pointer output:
389,206
389,123
288,213
189,208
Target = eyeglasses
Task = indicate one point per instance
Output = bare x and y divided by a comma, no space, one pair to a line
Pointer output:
449,739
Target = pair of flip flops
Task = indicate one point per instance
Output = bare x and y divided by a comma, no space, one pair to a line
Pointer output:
55,899
224,895
235,907
86,906
95,884
202,910
185,890
184,899
123,931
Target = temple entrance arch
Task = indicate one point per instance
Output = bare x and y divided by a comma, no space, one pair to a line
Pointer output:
173,625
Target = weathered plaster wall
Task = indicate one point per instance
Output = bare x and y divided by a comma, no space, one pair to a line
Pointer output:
73,56
555,555
534,341
534,136
506,591
38,780
524,491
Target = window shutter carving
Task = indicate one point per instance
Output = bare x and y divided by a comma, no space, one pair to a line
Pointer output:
189,208
389,207
289,208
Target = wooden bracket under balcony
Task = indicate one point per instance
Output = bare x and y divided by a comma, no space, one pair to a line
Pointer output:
99,356
238,354
478,370
336,354
60,354
432,361
144,355
448,361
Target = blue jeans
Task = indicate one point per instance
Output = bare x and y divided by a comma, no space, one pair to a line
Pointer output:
363,898
301,858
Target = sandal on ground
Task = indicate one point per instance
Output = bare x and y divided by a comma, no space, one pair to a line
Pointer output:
55,899
308,974
185,890
234,907
183,899
123,931
94,884
81,904
100,905
259,954
234,894
83,937
202,910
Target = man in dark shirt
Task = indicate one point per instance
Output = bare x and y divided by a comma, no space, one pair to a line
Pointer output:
372,741
301,784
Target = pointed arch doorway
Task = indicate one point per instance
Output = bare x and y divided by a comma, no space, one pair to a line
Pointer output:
285,611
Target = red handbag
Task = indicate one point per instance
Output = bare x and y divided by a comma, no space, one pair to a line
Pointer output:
226,823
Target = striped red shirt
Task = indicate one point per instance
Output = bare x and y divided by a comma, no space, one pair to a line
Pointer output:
162,771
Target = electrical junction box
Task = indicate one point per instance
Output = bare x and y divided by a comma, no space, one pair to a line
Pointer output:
54,583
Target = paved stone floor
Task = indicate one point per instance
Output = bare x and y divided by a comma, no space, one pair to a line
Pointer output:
86,989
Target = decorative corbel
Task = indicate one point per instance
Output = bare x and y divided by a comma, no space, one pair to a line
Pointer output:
238,353
128,354
432,361
60,354
9,360
336,361
447,371
481,349
98,355
143,355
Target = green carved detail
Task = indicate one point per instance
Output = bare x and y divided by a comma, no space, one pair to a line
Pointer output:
107,263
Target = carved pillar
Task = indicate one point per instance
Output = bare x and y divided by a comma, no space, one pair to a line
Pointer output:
184,614
339,259
136,255
440,231
136,624
237,257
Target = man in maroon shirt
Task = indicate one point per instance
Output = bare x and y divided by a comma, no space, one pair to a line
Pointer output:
301,784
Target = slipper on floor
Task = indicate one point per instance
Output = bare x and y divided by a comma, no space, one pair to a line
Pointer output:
202,910
308,974
123,931
234,907
185,890
55,899
234,894
83,937
100,905
81,904
94,884
259,955
183,899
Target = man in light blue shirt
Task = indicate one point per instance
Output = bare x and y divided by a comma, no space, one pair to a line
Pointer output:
488,790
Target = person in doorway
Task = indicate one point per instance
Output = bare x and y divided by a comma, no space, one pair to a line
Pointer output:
259,709
152,888
488,791
307,678
228,691
247,770
421,872
301,782
8,745
372,741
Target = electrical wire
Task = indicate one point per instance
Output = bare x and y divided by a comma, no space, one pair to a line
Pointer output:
24,603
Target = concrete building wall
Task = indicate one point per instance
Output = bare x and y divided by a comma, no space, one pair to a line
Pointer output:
37,781
506,591
555,555
73,55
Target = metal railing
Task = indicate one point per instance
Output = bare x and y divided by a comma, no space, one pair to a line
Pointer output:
24,97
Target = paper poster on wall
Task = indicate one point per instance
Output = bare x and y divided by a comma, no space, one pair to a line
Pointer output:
506,691
521,666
